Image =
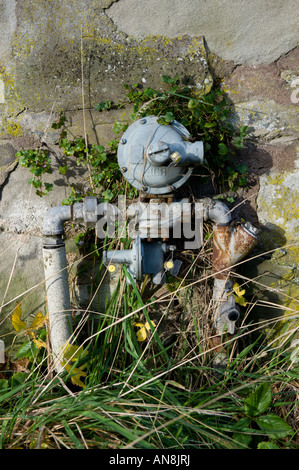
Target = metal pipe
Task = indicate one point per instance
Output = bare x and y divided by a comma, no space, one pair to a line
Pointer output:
56,279
56,275
215,211
2,352
226,310
230,245
58,297
54,220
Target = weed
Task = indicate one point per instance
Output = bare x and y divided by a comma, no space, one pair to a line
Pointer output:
205,116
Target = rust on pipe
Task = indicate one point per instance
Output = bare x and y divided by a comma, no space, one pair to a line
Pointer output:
231,245
218,343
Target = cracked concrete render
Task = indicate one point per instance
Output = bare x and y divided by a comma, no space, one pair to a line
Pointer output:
252,32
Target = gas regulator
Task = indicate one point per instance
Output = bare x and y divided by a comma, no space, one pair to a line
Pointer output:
158,160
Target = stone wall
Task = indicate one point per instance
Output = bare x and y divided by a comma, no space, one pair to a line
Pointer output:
69,55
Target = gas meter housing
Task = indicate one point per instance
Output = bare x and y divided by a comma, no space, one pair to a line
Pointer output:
157,158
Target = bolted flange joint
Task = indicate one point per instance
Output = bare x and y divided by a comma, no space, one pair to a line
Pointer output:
90,215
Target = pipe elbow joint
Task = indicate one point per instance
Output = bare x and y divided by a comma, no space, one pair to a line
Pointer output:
54,220
216,211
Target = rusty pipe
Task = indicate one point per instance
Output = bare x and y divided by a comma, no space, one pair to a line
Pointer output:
231,245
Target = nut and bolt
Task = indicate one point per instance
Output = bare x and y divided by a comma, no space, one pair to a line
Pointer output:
123,141
124,169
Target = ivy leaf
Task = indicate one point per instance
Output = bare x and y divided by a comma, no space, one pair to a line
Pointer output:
103,105
48,187
3,384
243,131
16,321
149,326
141,333
238,142
167,79
119,127
76,373
39,344
167,118
18,378
242,168
63,169
237,290
241,301
274,426
222,149
73,353
258,401
192,104
25,350
107,195
38,321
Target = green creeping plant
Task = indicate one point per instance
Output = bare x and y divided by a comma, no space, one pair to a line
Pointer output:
205,116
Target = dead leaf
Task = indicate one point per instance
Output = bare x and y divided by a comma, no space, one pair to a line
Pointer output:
20,365
16,321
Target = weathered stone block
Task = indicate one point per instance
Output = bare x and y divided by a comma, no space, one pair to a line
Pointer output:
252,32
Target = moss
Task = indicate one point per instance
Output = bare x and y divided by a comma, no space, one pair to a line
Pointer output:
278,208
12,104
289,323
279,205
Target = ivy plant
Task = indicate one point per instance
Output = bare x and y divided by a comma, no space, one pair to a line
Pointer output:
104,173
207,117
38,163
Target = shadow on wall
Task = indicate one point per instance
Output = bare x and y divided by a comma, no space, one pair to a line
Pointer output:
266,274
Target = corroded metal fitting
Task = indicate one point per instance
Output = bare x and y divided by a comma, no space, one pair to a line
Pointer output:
231,245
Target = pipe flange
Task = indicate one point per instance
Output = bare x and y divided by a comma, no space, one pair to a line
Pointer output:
90,215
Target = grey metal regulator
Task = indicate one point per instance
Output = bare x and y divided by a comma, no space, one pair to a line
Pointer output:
157,160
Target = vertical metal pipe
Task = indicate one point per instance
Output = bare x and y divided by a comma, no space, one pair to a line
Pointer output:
58,298
56,275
